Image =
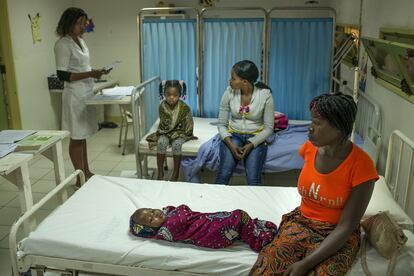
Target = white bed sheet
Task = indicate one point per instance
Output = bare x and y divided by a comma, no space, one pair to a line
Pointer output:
92,225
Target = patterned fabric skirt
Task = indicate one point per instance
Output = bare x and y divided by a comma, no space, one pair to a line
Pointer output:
298,237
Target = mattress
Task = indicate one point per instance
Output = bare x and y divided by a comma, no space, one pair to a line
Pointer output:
92,225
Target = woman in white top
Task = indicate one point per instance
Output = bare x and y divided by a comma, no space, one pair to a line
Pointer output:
246,119
73,67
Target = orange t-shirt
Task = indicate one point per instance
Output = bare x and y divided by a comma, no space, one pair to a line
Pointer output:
324,195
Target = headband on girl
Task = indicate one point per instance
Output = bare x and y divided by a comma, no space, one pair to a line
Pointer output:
139,230
183,90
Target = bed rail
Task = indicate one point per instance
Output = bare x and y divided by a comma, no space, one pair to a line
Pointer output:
17,265
144,106
368,119
399,170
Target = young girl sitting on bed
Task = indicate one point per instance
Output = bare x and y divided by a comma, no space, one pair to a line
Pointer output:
212,230
175,127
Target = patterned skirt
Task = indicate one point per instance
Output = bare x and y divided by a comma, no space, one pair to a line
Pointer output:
298,237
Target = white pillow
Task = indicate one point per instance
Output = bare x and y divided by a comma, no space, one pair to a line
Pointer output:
382,200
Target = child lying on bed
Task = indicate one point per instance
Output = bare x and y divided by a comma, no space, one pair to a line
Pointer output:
213,230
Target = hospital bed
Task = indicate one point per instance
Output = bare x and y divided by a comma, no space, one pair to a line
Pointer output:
283,147
89,231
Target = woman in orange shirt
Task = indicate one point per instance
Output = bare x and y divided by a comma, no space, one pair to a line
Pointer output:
321,236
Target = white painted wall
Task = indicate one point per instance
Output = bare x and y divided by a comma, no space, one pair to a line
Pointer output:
34,62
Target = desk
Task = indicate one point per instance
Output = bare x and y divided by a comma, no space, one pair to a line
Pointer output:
96,88
15,168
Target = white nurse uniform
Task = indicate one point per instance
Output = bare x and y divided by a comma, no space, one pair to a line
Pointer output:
77,117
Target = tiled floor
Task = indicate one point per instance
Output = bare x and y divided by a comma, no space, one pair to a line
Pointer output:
105,159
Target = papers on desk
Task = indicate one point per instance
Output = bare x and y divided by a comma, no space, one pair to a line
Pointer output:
118,91
34,142
11,136
6,149
8,139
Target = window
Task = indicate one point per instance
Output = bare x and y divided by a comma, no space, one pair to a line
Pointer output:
392,58
347,34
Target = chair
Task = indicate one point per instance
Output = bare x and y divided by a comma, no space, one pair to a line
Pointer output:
126,120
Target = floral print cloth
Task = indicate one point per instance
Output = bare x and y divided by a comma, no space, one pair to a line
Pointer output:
215,230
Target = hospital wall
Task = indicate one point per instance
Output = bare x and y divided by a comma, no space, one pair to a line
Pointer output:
397,113
35,61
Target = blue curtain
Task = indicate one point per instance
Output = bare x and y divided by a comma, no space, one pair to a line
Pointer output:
169,51
226,41
299,63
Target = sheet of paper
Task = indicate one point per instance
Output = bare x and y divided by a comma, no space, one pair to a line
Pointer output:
6,149
10,136
118,91
111,65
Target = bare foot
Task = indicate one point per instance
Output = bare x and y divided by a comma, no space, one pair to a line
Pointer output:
174,177
89,175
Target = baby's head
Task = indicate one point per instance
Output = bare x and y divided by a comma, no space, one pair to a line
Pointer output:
145,222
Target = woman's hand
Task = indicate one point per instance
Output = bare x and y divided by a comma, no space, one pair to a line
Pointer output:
236,151
246,149
97,74
297,269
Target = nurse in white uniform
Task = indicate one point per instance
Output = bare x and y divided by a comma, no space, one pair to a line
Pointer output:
73,67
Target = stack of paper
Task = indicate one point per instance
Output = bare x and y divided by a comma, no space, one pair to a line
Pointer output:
35,142
8,139
6,149
118,91
12,136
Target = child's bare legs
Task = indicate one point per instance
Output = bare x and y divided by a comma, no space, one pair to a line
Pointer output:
176,146
176,170
160,166
162,145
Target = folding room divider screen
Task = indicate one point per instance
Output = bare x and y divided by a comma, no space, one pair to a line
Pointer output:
294,55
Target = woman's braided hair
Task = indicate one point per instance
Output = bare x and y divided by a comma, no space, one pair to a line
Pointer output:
339,109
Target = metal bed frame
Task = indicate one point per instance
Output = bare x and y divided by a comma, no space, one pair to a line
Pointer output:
398,173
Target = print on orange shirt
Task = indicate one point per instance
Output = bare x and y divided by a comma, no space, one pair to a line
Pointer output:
313,194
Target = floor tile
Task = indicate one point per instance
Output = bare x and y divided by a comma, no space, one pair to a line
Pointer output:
5,263
103,165
4,231
8,215
6,197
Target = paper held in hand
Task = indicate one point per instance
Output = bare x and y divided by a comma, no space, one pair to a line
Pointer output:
111,65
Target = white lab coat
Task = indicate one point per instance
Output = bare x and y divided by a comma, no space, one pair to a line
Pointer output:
77,117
